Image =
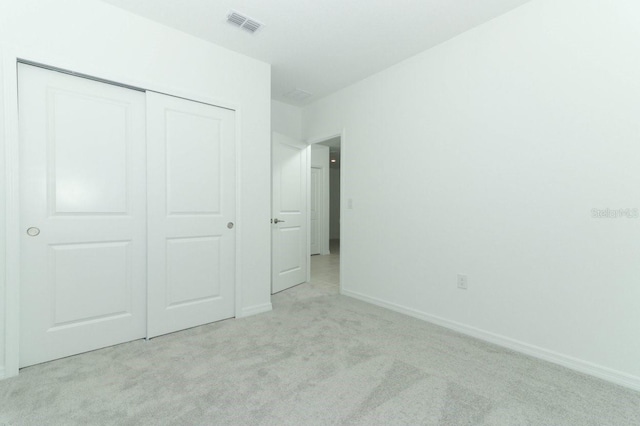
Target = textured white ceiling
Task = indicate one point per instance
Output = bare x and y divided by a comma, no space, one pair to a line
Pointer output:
320,46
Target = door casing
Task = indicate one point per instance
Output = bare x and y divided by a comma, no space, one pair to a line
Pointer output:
316,195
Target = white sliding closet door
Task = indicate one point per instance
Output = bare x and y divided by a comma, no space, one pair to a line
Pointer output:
191,213
83,220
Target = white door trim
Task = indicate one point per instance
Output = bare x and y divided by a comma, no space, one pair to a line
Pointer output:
308,245
326,172
12,215
322,239
9,173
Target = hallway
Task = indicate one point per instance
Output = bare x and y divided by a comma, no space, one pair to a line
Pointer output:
326,269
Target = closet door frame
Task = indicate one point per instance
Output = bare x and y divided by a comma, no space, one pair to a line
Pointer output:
9,181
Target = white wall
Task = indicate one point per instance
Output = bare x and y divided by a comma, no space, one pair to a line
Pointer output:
320,159
334,203
485,156
97,39
286,119
3,235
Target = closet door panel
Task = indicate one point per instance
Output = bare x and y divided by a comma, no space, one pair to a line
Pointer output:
83,215
191,220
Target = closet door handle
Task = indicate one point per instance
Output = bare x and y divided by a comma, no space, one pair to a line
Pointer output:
33,231
276,220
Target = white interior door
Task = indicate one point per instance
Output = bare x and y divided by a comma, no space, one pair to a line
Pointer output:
83,198
290,167
191,179
315,206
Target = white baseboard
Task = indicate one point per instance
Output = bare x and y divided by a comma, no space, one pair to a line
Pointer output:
255,310
617,377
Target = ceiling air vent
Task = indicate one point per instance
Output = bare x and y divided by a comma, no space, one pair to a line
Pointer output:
251,25
297,95
243,21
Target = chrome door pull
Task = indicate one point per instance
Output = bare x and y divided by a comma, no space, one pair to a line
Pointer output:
276,220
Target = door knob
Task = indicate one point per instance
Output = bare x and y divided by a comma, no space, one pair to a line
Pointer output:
230,225
33,231
276,220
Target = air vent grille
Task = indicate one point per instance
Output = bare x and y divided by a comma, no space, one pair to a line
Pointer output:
243,21
251,25
236,18
297,95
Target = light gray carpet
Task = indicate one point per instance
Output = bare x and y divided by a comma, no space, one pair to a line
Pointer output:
319,358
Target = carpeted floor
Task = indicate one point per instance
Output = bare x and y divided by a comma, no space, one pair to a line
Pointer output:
319,358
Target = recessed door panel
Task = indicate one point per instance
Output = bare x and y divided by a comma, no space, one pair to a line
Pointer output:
89,153
199,259
83,218
191,250
291,169
193,163
290,239
90,281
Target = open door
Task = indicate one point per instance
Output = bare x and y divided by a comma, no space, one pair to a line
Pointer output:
290,168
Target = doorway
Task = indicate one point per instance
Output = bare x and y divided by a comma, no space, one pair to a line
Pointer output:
325,268
305,179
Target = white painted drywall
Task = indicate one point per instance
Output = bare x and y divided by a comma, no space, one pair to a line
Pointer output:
334,203
320,159
319,156
97,39
286,119
485,156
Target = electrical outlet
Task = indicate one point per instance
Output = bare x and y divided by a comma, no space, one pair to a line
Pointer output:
463,281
